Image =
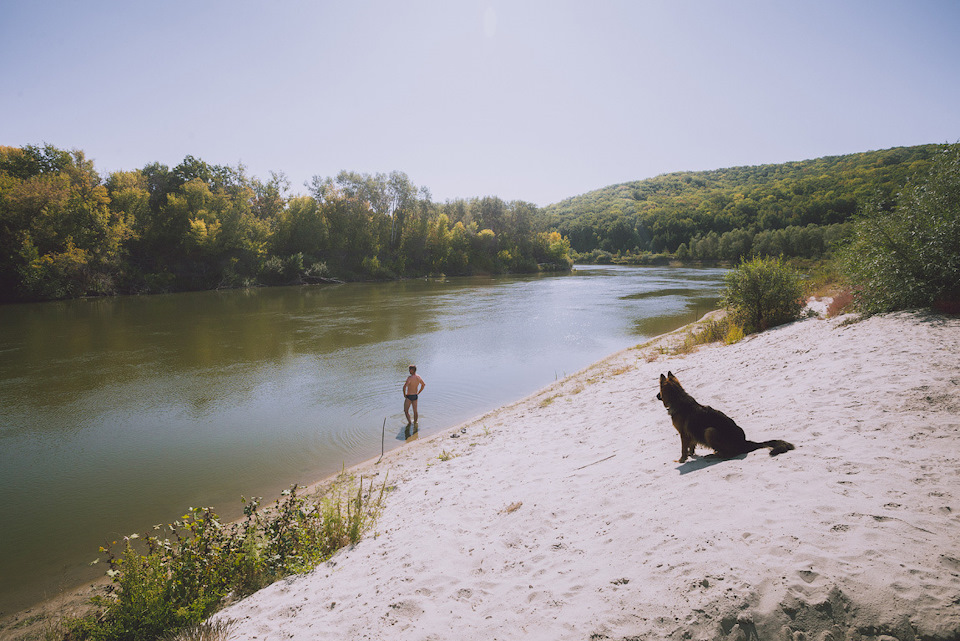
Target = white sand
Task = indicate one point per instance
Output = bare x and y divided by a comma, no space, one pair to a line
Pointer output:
564,516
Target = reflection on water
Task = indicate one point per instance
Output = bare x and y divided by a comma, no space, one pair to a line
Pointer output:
117,414
657,293
409,433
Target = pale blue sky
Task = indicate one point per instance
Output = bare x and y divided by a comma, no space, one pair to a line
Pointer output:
526,100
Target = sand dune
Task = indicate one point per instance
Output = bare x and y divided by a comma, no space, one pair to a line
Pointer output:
564,516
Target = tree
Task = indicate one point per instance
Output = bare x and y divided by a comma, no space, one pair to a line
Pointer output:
269,199
492,212
553,250
389,196
439,243
58,237
301,228
910,256
458,261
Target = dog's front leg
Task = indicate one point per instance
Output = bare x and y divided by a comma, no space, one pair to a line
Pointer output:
685,447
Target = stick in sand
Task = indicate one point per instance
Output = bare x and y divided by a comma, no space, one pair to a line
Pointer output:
382,431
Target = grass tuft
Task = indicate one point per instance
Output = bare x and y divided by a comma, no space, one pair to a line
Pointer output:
548,400
206,631
712,330
513,507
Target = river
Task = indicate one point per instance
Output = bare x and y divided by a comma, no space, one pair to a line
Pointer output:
120,413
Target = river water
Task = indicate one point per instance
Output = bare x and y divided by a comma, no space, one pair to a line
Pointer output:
117,414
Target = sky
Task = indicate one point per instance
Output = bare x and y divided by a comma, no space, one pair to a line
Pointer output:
534,100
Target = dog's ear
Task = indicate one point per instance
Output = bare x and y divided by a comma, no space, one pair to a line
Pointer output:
672,377
662,379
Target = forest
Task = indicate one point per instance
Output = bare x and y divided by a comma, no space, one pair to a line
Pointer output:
794,209
65,231
68,231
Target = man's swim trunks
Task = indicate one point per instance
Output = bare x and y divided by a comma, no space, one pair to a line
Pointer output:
411,397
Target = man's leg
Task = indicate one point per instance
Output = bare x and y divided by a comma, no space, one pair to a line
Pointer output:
406,409
415,417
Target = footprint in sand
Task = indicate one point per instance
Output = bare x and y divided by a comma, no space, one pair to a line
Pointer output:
808,576
405,609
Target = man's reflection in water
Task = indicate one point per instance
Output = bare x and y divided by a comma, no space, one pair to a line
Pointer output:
411,432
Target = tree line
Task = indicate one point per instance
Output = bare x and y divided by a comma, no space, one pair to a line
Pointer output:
65,231
794,209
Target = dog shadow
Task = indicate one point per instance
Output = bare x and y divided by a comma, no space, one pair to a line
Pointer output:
702,462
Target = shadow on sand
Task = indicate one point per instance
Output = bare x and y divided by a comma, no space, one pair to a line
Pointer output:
702,462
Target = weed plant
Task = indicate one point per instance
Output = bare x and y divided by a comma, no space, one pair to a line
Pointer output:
174,579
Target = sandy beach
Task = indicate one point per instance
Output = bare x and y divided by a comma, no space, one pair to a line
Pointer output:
565,515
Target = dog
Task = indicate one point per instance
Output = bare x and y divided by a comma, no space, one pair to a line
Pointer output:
703,425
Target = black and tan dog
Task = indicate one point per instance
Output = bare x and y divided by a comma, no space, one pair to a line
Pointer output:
704,425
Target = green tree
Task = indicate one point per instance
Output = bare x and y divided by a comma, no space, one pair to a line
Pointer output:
439,243
58,236
390,197
909,256
553,250
301,228
458,260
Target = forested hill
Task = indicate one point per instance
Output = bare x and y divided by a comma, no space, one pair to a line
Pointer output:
795,208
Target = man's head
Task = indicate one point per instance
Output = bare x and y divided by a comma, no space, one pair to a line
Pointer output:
413,369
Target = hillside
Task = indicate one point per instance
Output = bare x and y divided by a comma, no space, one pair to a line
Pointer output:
772,205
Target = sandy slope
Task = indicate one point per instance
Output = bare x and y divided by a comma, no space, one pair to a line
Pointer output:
564,516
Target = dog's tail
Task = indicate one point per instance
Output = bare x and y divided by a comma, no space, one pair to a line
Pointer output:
776,446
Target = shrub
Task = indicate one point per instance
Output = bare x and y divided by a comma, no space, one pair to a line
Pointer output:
175,579
734,334
762,293
910,257
316,270
271,273
373,268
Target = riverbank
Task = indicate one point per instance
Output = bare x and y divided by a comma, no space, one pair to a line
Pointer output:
564,515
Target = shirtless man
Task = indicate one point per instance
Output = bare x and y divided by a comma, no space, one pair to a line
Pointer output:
411,391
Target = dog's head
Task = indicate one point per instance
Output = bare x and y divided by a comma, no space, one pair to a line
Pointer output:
670,390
